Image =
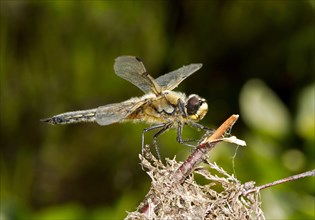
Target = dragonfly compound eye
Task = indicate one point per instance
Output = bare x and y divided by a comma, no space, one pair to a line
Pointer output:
193,104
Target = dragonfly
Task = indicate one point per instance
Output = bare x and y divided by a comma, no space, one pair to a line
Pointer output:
160,106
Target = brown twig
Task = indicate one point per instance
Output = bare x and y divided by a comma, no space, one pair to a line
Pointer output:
204,147
284,180
192,161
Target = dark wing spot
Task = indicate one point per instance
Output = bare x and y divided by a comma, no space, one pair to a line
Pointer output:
137,58
53,120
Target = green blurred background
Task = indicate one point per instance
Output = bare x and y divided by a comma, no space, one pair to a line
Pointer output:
57,56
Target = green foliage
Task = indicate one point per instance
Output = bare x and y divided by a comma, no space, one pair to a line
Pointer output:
57,56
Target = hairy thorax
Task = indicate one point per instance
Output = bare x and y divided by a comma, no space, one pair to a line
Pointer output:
159,109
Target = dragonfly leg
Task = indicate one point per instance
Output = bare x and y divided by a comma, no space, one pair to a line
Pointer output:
196,125
180,136
199,126
165,128
154,137
181,107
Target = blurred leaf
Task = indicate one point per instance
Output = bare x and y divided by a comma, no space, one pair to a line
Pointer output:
263,111
304,123
61,212
294,160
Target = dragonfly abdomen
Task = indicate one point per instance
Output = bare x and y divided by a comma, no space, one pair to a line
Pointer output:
72,117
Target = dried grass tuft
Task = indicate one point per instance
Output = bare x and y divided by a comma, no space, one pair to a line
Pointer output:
220,198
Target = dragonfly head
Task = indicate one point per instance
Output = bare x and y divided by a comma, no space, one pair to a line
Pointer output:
196,107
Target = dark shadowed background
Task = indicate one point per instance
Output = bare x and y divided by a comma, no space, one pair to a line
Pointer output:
57,56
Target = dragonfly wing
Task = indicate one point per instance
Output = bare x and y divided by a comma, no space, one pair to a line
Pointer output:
171,80
112,113
132,69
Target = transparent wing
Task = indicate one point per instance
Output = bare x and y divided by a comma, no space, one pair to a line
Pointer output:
171,80
112,113
132,69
